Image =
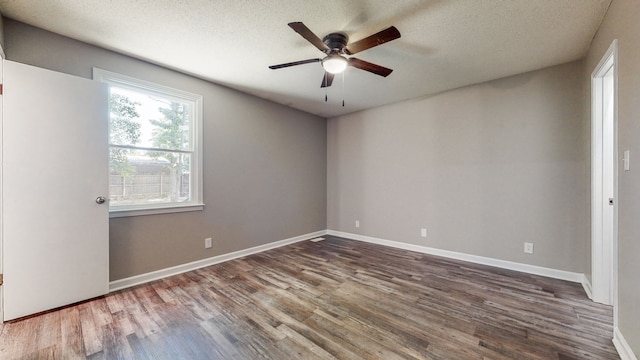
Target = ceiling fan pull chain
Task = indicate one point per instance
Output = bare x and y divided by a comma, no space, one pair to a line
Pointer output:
325,88
343,89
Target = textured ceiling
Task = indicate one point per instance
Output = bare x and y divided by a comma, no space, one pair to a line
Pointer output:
445,44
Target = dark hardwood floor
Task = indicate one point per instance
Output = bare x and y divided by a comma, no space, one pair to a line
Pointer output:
335,298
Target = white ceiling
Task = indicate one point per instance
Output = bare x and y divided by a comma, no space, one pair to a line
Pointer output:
445,43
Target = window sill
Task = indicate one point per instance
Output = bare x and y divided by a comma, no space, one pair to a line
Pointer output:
117,213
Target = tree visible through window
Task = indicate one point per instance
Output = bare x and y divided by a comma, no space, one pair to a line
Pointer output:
154,145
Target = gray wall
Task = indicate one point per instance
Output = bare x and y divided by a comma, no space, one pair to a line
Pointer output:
264,164
622,23
484,168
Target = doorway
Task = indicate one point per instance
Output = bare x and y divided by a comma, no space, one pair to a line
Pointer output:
604,179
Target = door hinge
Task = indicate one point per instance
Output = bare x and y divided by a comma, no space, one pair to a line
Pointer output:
1,279
1,89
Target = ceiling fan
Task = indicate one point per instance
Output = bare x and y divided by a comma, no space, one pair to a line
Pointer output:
337,49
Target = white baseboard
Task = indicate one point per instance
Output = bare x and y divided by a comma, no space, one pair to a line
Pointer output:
504,264
531,269
159,274
624,350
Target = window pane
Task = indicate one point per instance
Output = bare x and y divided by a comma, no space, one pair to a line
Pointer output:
150,121
155,146
148,177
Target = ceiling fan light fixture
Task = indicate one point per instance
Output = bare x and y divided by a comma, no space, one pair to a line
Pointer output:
334,64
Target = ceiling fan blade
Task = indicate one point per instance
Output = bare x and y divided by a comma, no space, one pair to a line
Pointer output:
304,31
370,67
327,79
301,62
376,39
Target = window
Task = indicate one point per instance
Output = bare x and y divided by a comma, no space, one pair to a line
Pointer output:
155,147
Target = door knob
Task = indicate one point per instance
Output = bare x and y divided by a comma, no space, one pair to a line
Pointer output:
101,200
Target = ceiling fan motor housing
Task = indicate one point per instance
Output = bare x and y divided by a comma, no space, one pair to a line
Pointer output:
336,42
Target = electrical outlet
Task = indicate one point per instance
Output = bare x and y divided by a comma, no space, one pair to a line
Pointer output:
357,223
423,232
528,248
207,243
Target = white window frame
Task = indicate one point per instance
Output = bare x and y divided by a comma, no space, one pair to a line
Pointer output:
196,203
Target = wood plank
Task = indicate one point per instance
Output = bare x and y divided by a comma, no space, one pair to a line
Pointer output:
335,298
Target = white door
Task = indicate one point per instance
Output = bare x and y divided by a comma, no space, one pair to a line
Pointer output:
56,249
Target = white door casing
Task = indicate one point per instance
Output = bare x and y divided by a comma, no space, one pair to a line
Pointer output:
1,242
55,166
604,179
